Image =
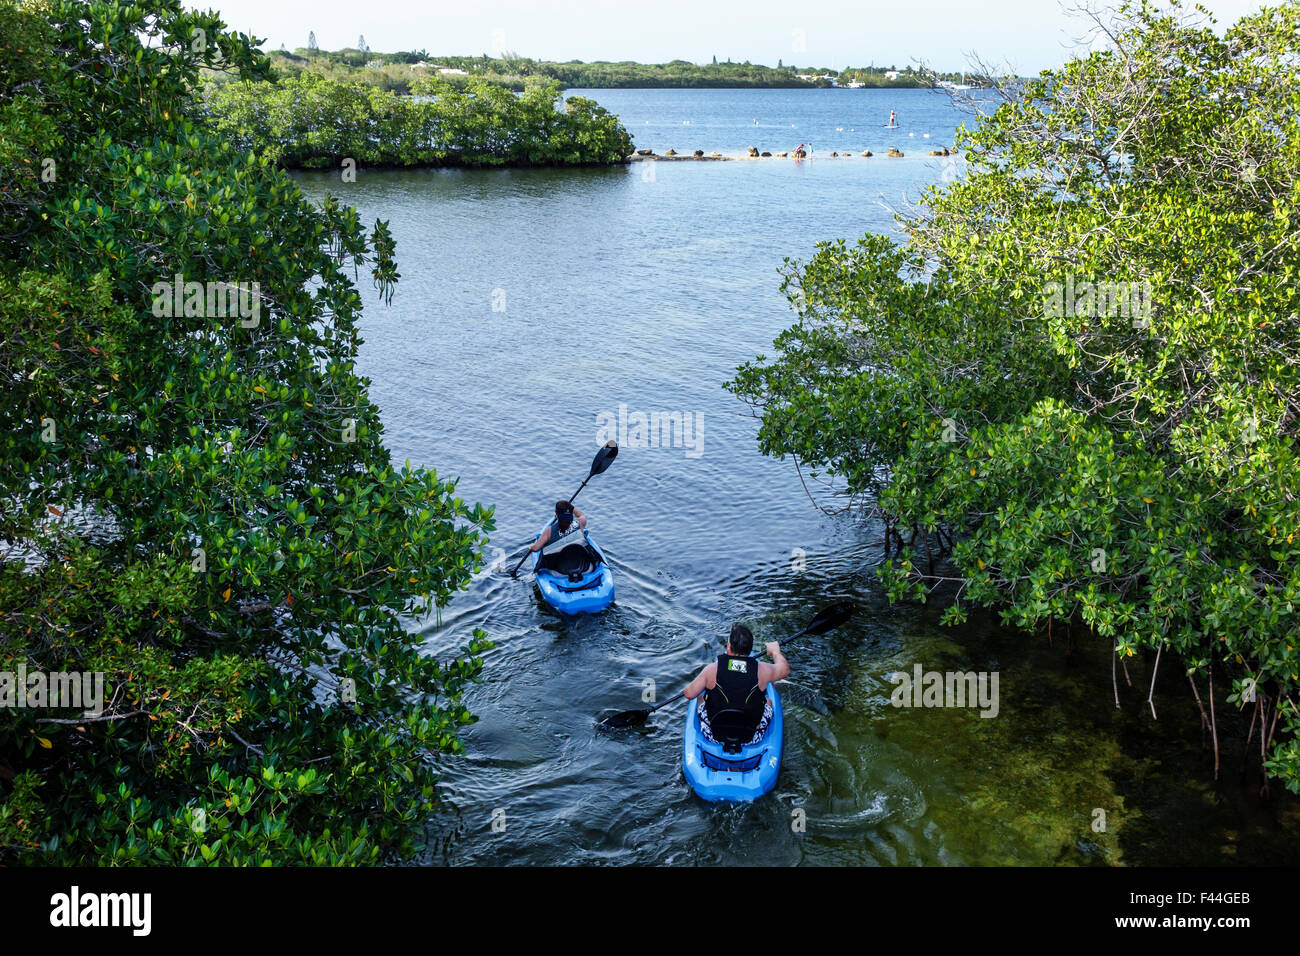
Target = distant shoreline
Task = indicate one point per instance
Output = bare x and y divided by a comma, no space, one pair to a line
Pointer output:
650,156
767,89
396,72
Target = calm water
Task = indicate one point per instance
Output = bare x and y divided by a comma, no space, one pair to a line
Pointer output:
533,306
729,121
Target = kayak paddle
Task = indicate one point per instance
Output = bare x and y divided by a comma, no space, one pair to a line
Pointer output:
603,459
829,619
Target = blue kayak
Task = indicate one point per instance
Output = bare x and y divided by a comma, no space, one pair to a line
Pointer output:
576,580
736,777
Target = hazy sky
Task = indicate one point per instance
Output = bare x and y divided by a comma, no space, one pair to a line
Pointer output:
1029,35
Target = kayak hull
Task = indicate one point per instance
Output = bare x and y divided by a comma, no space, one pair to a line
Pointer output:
593,591
733,778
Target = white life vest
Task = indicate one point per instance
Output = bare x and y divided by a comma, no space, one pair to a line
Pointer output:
559,541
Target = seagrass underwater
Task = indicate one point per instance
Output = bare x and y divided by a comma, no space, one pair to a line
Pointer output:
946,689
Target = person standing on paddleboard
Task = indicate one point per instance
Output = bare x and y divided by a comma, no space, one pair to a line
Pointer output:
736,681
893,118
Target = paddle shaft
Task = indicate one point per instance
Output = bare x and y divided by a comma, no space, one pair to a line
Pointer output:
580,487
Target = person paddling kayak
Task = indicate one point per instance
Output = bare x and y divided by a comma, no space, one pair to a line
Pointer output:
564,531
735,685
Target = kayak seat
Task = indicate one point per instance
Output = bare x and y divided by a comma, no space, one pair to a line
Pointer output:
576,559
732,728
706,731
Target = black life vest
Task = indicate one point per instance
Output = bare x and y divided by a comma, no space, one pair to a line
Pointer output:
735,704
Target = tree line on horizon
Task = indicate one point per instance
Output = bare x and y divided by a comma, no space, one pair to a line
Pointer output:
397,72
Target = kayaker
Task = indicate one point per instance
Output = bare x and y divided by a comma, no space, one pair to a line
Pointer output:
560,533
736,682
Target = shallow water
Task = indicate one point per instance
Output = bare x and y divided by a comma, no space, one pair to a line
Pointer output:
533,306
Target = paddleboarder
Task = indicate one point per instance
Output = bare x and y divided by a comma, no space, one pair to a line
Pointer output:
737,684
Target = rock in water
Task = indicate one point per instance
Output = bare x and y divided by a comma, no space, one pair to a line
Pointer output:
866,152
767,154
698,154
753,151
671,152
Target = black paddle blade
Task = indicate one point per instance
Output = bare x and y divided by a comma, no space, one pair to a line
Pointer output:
604,457
830,618
626,718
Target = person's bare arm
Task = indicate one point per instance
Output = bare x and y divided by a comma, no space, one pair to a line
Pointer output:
779,669
580,517
707,678
541,541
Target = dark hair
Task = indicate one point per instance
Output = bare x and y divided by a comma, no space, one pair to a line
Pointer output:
564,510
741,640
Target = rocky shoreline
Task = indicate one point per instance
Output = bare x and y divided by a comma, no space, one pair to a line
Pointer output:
671,155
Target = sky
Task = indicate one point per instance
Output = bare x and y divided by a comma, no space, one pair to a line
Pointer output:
1024,36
